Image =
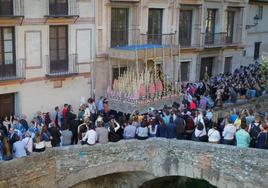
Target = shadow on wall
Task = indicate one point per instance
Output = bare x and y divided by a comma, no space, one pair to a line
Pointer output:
142,180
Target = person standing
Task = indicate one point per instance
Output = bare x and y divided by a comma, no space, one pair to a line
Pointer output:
100,105
254,130
242,136
55,134
262,139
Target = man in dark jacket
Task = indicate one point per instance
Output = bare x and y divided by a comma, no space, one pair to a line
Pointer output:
180,127
55,133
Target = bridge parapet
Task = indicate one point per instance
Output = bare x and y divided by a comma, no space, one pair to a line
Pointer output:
220,165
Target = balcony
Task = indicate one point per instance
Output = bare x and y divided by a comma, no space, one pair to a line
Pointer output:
126,1
218,40
131,44
62,68
63,10
11,12
14,71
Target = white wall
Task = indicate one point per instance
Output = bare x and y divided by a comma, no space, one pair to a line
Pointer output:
256,34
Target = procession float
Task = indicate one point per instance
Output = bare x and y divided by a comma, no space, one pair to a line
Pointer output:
148,80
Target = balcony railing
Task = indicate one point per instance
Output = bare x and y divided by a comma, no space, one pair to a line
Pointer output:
14,71
12,8
134,37
62,68
68,9
219,40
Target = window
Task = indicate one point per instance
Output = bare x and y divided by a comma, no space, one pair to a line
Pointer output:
257,50
228,65
185,27
230,26
116,72
185,71
6,7
210,26
58,45
58,7
119,27
7,52
155,26
260,12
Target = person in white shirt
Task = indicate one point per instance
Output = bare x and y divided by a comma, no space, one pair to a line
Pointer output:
214,135
90,137
200,133
229,133
28,141
18,148
142,132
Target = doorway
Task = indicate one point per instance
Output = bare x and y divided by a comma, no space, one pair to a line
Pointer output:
7,105
206,66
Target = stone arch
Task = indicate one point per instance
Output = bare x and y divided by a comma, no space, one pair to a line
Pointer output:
155,167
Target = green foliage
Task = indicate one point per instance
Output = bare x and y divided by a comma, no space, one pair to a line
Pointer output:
264,70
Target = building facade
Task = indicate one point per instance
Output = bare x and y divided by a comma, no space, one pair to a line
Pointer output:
256,42
46,54
206,35
59,51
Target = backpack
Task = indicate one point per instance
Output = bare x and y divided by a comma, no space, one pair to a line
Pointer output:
180,125
189,123
255,130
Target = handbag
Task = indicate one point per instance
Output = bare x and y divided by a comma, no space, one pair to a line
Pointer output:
26,149
48,144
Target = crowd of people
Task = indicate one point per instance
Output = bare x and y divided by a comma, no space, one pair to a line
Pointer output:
192,118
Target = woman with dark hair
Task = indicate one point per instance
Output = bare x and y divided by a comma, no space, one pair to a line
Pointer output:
153,124
142,132
47,119
82,129
113,128
262,139
214,135
90,137
161,129
72,125
200,133
242,136
19,148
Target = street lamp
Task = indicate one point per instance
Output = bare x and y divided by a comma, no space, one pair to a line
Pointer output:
256,21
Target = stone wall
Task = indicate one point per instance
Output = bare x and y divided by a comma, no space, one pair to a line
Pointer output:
259,104
220,165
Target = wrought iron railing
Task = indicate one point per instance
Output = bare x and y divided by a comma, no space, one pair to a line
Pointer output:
12,8
63,67
12,71
70,8
121,38
219,39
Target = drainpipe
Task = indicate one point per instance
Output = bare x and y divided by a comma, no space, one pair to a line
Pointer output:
93,64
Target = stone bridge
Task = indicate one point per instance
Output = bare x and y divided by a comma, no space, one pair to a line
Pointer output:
130,163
